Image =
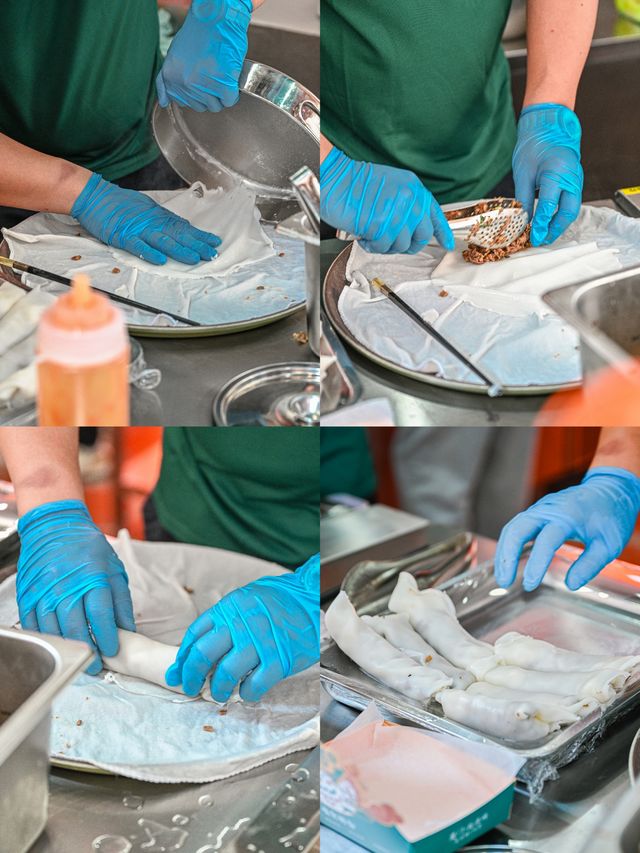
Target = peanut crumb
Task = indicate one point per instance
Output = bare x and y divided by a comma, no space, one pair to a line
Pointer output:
300,337
208,729
443,292
428,659
115,270
78,722
260,287
188,589
223,711
281,254
76,257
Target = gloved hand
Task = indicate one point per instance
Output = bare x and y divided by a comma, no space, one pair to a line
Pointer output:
205,59
70,581
131,221
257,634
547,158
388,209
600,513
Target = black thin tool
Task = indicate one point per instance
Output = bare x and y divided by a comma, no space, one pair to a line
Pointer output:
494,389
115,297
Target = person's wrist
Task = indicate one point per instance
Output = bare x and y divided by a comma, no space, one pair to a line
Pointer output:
72,185
629,480
86,194
49,511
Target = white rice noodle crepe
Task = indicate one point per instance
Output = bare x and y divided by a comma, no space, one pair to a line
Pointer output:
552,706
397,629
379,658
601,685
520,650
515,721
433,615
142,657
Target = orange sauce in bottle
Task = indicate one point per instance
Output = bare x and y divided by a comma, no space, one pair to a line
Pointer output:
83,361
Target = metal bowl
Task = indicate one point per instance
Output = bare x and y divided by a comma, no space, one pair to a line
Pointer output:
271,132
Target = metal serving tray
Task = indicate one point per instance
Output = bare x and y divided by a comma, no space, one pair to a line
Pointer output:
33,670
605,314
334,283
589,620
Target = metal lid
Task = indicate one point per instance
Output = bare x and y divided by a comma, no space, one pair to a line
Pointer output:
286,394
271,132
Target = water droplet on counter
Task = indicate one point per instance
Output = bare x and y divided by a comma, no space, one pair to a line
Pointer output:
208,848
291,767
205,800
111,844
301,775
180,819
161,838
133,802
290,799
252,848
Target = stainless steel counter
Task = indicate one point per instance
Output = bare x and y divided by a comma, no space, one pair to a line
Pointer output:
194,369
419,404
85,806
570,809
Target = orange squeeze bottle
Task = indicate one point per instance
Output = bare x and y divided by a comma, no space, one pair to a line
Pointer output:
83,361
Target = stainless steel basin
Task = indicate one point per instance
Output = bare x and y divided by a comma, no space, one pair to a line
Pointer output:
33,670
606,314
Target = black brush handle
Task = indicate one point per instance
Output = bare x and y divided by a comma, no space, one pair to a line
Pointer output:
115,297
435,334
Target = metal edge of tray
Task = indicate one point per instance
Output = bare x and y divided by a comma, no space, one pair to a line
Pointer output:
149,331
78,766
213,331
557,744
332,286
563,300
351,387
634,759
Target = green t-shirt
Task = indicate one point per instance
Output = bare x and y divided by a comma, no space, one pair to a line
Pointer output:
346,465
250,489
423,85
78,80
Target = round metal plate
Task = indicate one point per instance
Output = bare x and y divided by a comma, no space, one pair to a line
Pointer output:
271,132
286,394
79,766
334,283
177,331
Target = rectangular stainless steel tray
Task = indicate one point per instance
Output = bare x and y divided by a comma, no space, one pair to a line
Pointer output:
589,620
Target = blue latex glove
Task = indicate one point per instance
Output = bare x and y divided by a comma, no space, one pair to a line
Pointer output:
257,634
547,158
388,209
600,513
131,221
205,58
70,581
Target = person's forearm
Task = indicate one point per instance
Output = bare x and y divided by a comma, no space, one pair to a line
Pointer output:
559,34
36,181
42,463
618,447
325,147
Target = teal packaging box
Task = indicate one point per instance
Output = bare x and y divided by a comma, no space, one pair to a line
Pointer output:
340,811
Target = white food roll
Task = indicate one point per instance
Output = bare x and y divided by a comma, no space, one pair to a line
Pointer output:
601,685
514,721
377,657
433,615
552,707
527,652
396,628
